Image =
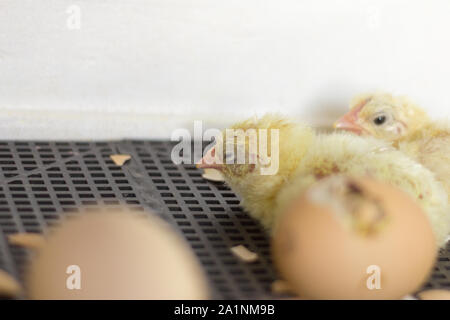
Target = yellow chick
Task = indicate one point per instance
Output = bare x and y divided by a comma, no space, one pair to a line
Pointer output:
305,156
407,126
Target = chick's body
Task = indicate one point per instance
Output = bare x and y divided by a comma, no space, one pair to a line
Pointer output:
305,157
404,124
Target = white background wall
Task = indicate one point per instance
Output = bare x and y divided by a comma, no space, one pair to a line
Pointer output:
140,68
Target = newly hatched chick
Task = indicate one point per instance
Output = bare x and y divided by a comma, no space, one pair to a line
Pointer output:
304,157
408,127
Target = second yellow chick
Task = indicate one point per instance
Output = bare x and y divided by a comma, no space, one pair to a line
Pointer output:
406,126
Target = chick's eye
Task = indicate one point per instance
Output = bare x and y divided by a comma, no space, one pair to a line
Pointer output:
380,120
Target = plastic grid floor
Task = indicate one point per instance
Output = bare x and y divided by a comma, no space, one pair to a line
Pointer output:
42,181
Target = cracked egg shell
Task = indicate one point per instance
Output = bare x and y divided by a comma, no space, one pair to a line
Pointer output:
120,255
354,238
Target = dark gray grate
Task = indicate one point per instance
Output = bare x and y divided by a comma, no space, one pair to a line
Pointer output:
41,181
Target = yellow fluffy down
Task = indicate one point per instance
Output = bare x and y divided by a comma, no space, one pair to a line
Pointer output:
306,157
431,147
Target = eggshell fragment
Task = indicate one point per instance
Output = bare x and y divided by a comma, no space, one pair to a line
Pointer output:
115,255
281,287
27,240
354,238
120,159
213,175
244,254
435,294
9,287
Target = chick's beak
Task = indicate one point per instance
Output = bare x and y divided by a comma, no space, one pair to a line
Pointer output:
348,123
209,161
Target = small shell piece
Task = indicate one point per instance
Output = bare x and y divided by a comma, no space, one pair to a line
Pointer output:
9,287
27,240
281,287
213,175
244,254
436,294
120,159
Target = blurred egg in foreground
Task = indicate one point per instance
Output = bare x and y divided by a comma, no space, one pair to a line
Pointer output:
354,238
115,255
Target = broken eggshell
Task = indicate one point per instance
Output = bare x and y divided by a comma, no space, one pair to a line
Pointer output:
213,175
120,159
354,238
32,241
435,294
9,287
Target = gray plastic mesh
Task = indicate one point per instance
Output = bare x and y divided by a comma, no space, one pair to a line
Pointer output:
42,181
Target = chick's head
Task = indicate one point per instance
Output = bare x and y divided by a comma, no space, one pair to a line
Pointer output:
254,147
257,171
232,158
383,116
